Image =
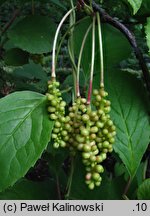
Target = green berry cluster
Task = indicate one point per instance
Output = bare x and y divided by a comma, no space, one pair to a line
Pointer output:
92,134
87,130
56,109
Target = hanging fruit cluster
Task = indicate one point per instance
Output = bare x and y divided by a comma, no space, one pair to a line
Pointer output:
85,129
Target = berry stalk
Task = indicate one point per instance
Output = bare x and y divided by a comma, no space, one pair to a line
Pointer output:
101,51
79,60
92,63
53,74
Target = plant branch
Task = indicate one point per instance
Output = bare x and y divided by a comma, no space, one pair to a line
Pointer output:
10,22
131,38
70,178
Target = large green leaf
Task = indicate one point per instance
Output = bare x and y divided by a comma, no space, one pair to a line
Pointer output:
33,34
143,192
130,114
16,57
24,134
147,30
113,43
136,4
29,190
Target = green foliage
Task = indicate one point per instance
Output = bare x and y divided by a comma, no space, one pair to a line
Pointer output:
147,30
130,114
28,190
16,57
22,116
143,192
136,4
33,34
111,188
113,43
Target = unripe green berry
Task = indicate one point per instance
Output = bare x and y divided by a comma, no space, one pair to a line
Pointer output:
66,138
94,129
91,185
85,155
63,104
99,124
71,115
99,168
113,128
99,159
85,132
100,145
54,102
93,147
105,131
105,150
98,183
62,119
95,176
105,144
56,130
62,144
107,109
56,145
67,119
50,97
95,92
112,140
92,158
83,100
98,98
93,136
113,133
80,147
80,138
103,118
85,118
57,124
82,107
53,116
51,109
109,122
64,133
54,136
100,112
86,148
95,152
104,156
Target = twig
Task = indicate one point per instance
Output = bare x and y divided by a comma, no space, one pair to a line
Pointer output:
58,187
14,16
127,187
131,38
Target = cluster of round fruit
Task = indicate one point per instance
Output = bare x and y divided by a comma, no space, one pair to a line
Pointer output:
56,109
85,129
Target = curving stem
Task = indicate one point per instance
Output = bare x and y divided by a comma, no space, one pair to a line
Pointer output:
92,63
101,51
53,74
79,60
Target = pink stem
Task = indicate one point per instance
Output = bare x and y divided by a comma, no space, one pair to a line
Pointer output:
90,92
